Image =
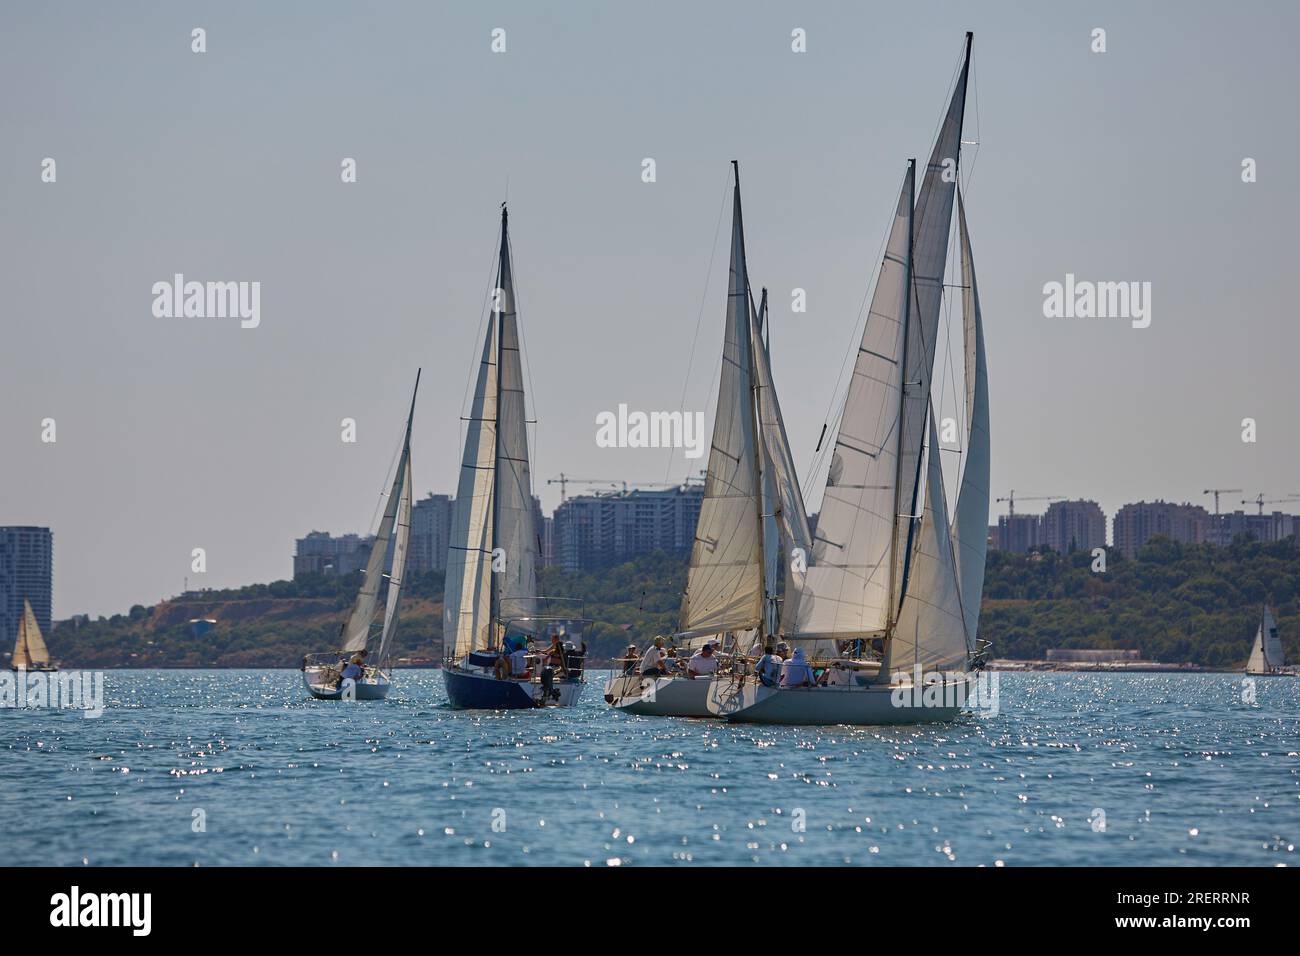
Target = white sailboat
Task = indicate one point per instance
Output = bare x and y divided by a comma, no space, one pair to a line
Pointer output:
887,583
491,602
30,652
1266,657
751,504
322,673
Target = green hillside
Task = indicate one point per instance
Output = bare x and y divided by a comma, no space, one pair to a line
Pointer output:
1175,603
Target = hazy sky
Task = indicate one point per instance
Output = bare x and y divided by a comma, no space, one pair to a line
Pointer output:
181,433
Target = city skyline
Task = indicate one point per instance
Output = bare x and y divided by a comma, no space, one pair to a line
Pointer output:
175,434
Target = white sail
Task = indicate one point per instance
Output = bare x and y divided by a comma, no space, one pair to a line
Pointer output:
933,219
768,417
847,587
970,526
397,572
356,631
724,584
467,597
30,647
516,542
931,628
1266,655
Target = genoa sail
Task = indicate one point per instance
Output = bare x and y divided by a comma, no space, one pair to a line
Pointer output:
847,588
724,584
970,526
931,628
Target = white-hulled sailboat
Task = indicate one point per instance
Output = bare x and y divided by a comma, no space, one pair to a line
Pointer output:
491,603
751,503
900,590
322,673
30,652
1266,657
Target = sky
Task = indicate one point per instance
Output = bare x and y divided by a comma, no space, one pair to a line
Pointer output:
174,433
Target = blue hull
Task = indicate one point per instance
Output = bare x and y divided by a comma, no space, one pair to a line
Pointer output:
468,690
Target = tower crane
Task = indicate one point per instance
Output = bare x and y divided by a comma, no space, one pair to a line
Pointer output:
1219,491
1010,499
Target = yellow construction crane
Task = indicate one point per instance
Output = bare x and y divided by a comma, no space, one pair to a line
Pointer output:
1261,501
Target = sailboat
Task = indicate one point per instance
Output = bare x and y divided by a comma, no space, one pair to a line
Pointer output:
321,673
897,590
30,652
490,602
1266,658
751,507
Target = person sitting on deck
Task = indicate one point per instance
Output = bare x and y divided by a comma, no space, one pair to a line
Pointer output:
796,672
702,662
768,667
352,671
652,664
630,660
839,674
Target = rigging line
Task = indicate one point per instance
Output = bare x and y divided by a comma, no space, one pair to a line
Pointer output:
699,318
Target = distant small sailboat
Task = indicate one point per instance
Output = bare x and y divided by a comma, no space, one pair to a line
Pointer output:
752,508
1266,657
30,652
322,673
897,589
490,598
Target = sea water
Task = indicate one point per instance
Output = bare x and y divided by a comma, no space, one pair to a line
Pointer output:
218,767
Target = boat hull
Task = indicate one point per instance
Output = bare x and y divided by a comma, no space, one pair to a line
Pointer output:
659,696
369,688
469,689
752,702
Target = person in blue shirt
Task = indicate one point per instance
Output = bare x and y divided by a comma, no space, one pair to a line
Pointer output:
352,671
768,667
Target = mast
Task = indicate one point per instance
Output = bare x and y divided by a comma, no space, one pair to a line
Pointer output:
756,437
494,605
897,585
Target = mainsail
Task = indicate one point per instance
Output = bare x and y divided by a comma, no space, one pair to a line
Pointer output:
356,631
970,527
1266,655
933,220
724,584
401,539
848,591
30,647
517,543
494,522
768,418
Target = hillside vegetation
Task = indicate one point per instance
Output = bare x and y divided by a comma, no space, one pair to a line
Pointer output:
1175,603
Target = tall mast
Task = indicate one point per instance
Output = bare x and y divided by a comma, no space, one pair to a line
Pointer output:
896,587
755,426
494,607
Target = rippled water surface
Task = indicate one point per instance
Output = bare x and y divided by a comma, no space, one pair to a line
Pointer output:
1177,766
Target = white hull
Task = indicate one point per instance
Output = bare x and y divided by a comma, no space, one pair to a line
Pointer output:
368,688
753,702
659,696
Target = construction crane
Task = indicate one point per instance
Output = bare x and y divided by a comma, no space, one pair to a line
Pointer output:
564,481
1219,491
1010,499
1261,501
